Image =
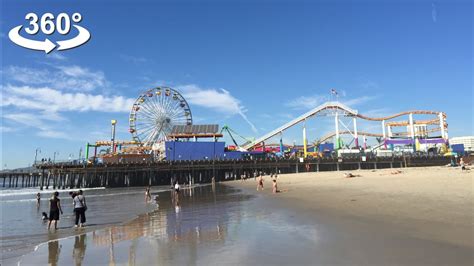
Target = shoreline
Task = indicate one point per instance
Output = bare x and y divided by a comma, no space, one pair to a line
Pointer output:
432,203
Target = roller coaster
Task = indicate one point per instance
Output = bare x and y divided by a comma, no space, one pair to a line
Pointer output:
417,130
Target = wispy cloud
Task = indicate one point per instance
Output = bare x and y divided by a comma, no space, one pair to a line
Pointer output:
134,59
307,102
434,12
73,78
377,112
56,56
4,129
219,100
55,101
36,121
310,102
358,100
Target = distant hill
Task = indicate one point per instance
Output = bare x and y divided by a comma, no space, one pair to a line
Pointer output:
21,170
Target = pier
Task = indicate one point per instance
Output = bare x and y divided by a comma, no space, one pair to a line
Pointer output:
70,175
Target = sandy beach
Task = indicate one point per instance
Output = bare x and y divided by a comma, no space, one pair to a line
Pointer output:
434,203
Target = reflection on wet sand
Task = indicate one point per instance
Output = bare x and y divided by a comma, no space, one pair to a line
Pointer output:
79,250
53,252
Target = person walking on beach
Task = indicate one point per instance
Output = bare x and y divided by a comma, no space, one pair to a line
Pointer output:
38,199
80,208
275,186
147,194
462,164
54,209
176,187
260,183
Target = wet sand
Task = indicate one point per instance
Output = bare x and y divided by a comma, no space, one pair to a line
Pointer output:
433,203
233,224
22,227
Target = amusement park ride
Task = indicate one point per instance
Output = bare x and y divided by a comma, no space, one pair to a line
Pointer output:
157,113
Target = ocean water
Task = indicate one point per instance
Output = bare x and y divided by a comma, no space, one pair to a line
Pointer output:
22,227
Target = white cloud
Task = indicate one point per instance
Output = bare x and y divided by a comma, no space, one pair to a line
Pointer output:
219,100
54,101
73,78
4,129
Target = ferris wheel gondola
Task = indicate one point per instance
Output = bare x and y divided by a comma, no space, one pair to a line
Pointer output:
155,112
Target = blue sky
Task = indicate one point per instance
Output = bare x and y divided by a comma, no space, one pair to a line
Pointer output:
240,63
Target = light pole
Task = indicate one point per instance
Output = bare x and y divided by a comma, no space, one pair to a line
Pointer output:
80,153
36,154
114,123
54,156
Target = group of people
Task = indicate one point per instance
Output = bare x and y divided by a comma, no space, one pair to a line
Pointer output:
55,209
274,183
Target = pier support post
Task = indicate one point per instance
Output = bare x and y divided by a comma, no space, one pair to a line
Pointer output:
356,136
336,122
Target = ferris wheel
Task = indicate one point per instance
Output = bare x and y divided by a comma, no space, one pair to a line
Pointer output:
155,112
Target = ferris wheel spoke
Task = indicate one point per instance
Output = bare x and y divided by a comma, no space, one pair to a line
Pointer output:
149,110
145,113
146,128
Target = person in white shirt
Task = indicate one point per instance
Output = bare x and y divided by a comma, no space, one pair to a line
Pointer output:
80,208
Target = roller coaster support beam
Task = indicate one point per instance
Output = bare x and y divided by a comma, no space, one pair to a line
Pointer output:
336,121
412,130
305,145
356,137
384,134
441,125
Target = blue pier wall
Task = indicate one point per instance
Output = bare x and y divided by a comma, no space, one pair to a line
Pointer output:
177,151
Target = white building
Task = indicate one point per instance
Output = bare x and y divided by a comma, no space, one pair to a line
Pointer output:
468,142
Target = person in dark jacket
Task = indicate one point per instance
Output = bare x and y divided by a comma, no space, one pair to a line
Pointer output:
54,210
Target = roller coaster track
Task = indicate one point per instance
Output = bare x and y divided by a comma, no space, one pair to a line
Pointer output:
337,106
415,112
330,135
347,132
